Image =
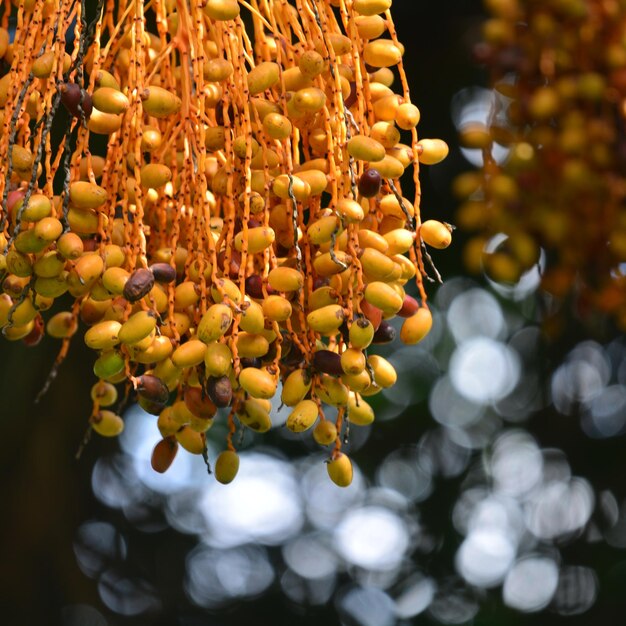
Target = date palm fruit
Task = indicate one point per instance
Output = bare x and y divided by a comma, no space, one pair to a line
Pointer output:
211,262
340,470
226,466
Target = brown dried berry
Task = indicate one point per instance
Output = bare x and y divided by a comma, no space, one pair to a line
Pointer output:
219,390
327,362
138,285
152,389
163,272
74,99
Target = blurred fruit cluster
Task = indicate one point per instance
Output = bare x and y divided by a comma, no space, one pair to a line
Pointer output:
558,73
213,189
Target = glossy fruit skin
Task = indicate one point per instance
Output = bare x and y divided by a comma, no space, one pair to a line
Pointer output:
226,467
164,454
340,470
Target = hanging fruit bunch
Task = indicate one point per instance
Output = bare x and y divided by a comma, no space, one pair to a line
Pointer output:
215,185
558,71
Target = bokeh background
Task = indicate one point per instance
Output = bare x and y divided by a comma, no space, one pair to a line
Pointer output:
489,491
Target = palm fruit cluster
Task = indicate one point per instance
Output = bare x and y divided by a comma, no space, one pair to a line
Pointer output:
558,71
210,192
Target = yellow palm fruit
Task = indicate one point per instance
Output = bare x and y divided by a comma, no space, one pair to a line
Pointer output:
371,239
38,207
15,333
350,210
108,365
166,423
325,432
229,288
49,265
114,256
103,335
436,234
384,297
24,312
19,264
370,26
352,361
107,423
340,470
315,178
259,383
253,414
371,7
303,416
321,230
327,319
70,245
102,123
186,294
407,116
42,66
384,373
332,391
48,229
199,424
218,359
295,387
137,327
264,76
226,467
432,151
321,297
276,308
114,279
390,167
214,323
22,159
6,303
385,133
189,354
381,53
61,325
277,126
285,279
284,185
325,265
155,175
167,372
400,241
309,99
191,440
159,102
110,100
359,411
151,138
311,63
251,345
257,239
28,243
160,348
104,393
365,148
85,195
416,327
251,318
52,287
357,382
217,70
375,264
